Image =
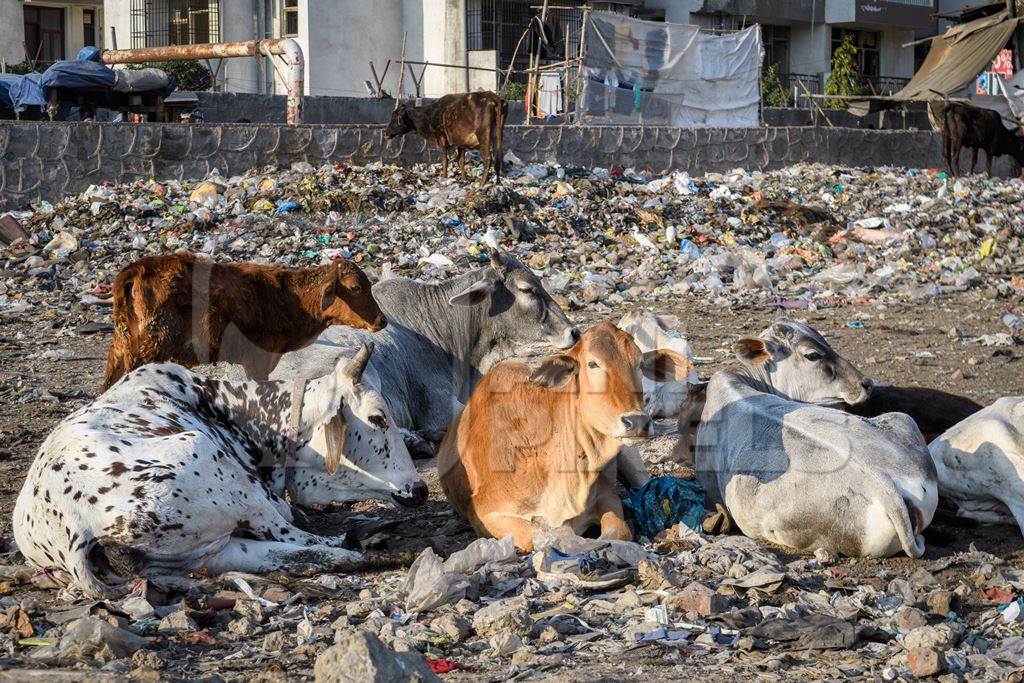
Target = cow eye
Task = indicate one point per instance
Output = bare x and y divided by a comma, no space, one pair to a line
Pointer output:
355,289
379,421
592,364
527,289
813,356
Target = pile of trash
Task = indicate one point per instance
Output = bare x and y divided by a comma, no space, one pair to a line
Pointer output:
803,237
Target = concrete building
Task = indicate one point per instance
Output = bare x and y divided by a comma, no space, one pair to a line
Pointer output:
340,38
43,32
800,35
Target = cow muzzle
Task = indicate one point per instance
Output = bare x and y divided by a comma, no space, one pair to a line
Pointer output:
567,339
634,425
417,496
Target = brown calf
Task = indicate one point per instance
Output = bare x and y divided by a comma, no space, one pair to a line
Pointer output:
537,442
464,121
179,308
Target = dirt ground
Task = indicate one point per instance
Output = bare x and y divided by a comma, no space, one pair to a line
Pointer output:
913,343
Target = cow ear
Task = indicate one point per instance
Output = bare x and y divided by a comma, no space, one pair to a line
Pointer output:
665,365
328,295
475,294
334,431
555,371
751,350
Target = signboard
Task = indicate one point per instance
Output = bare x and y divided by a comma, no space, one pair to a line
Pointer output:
1002,65
889,13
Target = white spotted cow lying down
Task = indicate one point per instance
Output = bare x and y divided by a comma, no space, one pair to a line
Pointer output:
170,471
980,462
806,475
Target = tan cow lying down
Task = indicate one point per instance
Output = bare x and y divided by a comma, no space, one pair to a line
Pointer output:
532,442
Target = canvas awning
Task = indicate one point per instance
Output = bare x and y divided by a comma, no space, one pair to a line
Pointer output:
958,56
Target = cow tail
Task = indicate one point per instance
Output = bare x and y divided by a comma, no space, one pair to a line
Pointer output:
82,575
905,518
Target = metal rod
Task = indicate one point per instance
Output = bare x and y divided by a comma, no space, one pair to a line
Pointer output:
287,49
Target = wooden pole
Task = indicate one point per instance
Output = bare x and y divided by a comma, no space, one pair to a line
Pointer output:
401,71
565,77
814,103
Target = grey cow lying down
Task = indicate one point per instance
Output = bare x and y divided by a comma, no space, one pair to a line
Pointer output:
806,475
170,471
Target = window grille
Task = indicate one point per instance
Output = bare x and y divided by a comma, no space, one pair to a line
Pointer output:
158,23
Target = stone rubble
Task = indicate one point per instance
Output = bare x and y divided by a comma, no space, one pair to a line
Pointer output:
602,240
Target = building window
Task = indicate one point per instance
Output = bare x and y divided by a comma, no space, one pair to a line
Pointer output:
44,35
499,24
776,47
290,18
867,44
158,23
88,27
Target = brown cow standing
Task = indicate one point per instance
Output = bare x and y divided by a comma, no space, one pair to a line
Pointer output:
176,307
464,121
536,442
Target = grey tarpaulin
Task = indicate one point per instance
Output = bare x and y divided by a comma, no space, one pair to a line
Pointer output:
958,56
657,73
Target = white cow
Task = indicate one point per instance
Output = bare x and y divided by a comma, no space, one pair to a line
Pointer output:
810,476
170,471
980,462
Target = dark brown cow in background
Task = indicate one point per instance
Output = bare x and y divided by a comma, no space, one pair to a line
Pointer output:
964,125
464,121
176,307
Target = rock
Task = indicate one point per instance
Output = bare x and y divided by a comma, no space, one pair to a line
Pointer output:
177,622
275,642
942,602
360,609
910,618
697,597
243,627
360,657
941,636
501,616
96,638
926,661
825,556
453,626
504,644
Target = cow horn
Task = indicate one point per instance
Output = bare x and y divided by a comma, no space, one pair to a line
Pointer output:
357,365
497,262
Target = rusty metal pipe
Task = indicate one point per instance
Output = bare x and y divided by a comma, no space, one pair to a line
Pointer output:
287,48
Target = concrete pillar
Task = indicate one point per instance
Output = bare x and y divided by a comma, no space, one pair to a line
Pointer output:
12,32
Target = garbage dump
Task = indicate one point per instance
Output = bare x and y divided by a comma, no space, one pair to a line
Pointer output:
430,600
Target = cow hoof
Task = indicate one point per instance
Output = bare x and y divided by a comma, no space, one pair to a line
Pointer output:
419,448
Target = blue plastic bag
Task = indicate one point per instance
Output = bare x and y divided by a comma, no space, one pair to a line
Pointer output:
664,502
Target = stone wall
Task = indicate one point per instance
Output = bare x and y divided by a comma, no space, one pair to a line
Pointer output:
41,160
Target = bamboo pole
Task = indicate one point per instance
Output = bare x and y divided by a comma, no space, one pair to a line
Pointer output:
401,71
565,78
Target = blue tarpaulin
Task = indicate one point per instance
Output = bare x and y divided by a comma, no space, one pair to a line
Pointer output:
5,87
27,91
89,53
79,75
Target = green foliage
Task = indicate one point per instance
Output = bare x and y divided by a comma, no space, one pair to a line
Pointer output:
190,75
772,94
514,91
844,79
19,68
